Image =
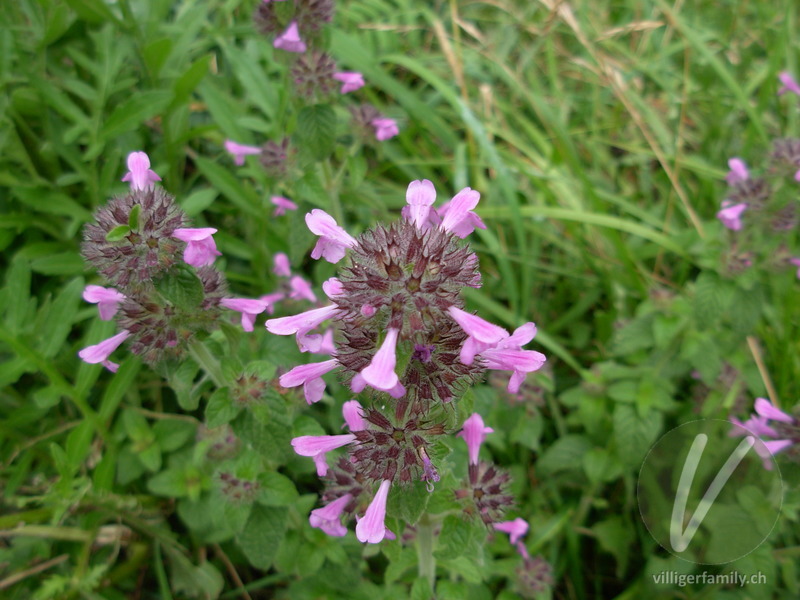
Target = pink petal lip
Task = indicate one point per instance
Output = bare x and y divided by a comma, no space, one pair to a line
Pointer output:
380,374
371,528
193,235
99,353
475,327
765,408
311,445
302,373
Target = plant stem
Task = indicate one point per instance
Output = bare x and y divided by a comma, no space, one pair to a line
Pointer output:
426,563
208,363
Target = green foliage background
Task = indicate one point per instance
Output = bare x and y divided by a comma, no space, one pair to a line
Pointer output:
597,134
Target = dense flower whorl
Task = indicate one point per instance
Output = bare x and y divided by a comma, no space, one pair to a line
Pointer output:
142,253
407,279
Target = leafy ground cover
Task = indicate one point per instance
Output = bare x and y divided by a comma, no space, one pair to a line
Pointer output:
598,135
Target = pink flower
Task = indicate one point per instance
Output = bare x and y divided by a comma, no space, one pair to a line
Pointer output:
301,289
281,267
326,345
796,263
310,377
248,307
333,241
200,247
474,432
352,411
107,300
789,84
730,215
327,517
760,427
239,151
508,355
738,171
316,446
139,173
351,81
301,324
332,288
420,196
271,300
769,411
290,40
367,310
380,374
372,529
99,353
282,205
515,529
482,334
457,216
385,128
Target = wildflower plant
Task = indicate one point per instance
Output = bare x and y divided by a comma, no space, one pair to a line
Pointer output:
404,342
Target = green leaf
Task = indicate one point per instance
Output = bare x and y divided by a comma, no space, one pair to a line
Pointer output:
635,434
408,503
615,537
118,233
60,318
91,11
133,219
170,483
262,535
181,287
140,107
240,195
221,408
186,83
276,490
172,434
316,130
566,453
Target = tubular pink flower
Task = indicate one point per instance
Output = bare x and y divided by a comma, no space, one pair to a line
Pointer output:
789,84
332,288
385,128
301,289
333,241
731,214
271,300
310,377
281,266
290,40
508,355
457,215
482,334
99,353
351,81
420,196
326,345
327,517
380,374
248,307
754,425
367,310
107,300
315,446
282,205
352,412
766,409
515,529
738,171
371,528
239,151
301,324
139,173
200,247
474,432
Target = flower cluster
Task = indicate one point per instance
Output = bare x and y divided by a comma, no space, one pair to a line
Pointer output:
761,209
402,333
779,431
163,287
